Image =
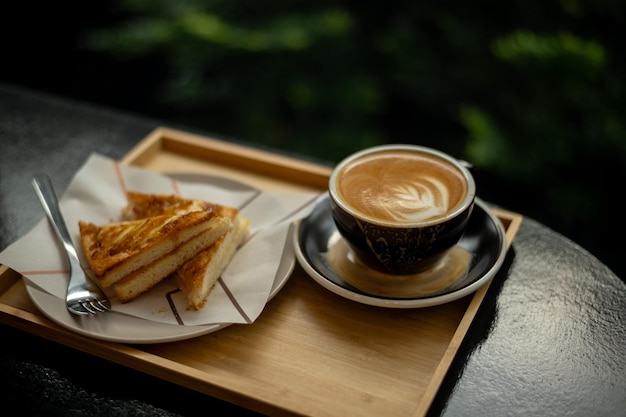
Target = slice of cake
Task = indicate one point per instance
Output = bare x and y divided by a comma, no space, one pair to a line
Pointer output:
136,255
198,276
141,206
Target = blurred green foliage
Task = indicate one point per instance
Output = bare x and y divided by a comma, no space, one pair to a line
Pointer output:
531,92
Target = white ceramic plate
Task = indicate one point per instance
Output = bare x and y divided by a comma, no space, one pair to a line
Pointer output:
484,239
121,328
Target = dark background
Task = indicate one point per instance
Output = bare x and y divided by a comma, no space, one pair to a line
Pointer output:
532,93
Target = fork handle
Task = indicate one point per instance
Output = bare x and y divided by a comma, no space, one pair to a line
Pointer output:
47,197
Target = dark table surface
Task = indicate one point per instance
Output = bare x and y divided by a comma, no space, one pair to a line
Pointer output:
549,339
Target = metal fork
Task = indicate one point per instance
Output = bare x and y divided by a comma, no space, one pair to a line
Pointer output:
83,296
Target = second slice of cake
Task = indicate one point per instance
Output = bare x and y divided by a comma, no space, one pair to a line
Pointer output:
197,276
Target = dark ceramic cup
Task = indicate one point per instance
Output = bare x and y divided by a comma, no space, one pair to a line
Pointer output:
401,207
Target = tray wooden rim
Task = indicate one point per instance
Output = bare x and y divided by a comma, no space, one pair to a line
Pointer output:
259,162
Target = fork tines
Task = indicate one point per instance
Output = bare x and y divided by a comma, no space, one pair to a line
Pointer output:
94,306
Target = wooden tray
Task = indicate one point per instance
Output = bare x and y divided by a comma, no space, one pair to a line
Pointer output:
310,352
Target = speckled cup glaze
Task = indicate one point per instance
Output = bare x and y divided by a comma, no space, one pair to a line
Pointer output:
411,245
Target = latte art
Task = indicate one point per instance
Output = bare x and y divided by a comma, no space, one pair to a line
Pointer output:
401,187
419,200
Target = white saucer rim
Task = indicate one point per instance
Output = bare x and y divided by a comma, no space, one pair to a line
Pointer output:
431,301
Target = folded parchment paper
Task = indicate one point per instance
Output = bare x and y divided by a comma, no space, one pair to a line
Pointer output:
97,194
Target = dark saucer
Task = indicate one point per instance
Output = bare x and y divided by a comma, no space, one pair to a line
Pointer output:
321,253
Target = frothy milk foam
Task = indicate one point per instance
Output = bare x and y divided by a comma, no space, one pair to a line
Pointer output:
401,187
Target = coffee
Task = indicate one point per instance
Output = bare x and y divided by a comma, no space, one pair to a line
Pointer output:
400,208
401,187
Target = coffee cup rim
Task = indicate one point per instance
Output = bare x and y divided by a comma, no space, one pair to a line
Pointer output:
461,207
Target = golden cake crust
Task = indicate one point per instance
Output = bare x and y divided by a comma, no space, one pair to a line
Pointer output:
142,205
117,249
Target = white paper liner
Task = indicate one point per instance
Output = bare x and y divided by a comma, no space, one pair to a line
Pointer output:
97,194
